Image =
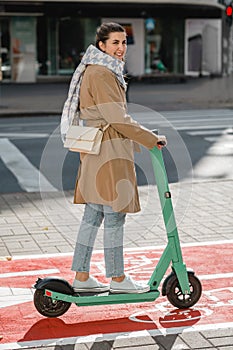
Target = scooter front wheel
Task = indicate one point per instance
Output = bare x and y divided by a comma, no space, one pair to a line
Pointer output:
49,307
180,300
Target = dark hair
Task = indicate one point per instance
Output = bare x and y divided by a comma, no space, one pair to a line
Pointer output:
102,33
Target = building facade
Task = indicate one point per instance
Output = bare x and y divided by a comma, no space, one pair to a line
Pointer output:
48,38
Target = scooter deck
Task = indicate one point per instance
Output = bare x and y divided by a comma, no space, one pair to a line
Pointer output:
103,298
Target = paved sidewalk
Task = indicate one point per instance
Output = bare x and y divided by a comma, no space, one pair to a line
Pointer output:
34,223
43,223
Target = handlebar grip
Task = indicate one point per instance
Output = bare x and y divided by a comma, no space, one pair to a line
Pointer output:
161,143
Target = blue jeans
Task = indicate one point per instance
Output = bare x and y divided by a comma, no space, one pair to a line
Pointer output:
113,239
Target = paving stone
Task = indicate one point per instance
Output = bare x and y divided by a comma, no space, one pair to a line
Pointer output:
221,333
173,342
132,342
141,347
195,341
220,341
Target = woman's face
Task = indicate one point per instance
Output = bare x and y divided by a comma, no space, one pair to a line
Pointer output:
115,45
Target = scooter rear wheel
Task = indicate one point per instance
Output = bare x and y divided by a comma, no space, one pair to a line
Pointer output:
180,300
49,307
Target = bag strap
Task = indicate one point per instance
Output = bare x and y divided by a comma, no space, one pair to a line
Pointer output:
105,127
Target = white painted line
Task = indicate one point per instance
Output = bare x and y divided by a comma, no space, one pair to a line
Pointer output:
204,127
40,123
100,337
133,250
25,295
206,132
216,161
28,273
23,135
215,276
28,176
186,121
199,112
224,145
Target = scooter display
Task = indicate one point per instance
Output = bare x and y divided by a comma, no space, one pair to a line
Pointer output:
53,295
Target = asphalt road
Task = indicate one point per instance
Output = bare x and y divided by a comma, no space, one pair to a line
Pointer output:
199,147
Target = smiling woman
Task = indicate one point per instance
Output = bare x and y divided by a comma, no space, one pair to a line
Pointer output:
106,183
113,43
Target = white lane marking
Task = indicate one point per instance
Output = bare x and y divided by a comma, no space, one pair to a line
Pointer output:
25,135
101,337
155,117
199,112
28,273
204,127
215,276
15,296
28,176
216,160
29,124
206,132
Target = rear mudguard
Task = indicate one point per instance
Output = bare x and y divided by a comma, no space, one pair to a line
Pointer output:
55,284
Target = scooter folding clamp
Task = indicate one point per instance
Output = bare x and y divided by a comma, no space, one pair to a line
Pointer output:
167,194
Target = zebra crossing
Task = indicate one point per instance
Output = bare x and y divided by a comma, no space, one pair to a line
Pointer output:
20,142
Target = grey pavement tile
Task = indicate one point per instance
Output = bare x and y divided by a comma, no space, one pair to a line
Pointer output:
171,342
4,251
77,347
222,341
131,342
142,347
13,245
51,243
21,230
196,340
26,252
50,250
6,232
213,333
64,248
61,347
12,220
105,345
29,245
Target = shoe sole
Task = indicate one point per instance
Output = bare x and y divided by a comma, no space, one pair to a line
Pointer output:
125,291
94,290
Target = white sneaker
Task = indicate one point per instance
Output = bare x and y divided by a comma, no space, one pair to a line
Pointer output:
128,286
91,285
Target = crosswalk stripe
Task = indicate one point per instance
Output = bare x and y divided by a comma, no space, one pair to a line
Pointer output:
28,176
24,135
206,132
216,160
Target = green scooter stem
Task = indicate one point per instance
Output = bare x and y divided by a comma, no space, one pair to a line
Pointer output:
172,253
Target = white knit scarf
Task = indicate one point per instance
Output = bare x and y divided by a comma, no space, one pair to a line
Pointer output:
92,56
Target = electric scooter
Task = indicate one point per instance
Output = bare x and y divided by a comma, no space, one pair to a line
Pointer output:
53,295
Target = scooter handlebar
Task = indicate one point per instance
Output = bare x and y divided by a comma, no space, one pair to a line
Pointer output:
161,143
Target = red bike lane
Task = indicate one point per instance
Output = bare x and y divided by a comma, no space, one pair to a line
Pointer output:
20,322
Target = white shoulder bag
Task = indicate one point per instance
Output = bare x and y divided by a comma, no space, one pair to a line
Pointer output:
84,139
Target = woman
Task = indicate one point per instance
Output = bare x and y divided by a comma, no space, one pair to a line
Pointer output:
106,183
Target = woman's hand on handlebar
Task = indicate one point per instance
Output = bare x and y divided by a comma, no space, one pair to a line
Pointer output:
162,141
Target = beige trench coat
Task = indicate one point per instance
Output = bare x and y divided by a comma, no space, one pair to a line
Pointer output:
109,178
